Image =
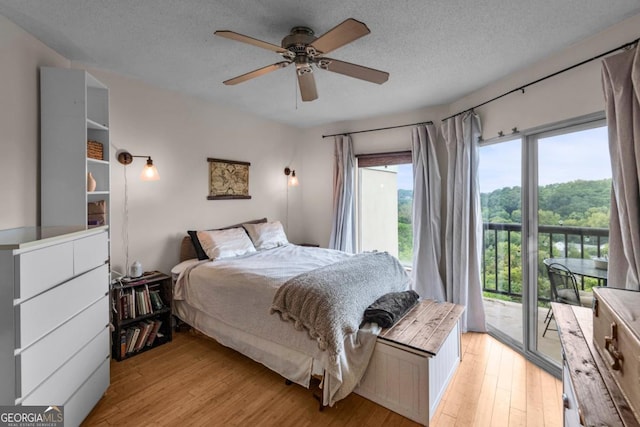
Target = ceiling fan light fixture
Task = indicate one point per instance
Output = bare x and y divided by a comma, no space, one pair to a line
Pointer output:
301,47
303,69
323,63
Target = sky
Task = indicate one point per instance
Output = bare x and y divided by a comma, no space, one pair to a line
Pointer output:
405,177
562,158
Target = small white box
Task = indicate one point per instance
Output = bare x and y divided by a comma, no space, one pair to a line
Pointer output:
601,263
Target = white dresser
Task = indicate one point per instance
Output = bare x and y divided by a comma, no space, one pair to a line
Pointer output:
54,318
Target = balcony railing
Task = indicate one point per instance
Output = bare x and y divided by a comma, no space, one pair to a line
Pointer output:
502,242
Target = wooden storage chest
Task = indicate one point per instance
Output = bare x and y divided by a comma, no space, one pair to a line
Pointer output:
616,336
414,361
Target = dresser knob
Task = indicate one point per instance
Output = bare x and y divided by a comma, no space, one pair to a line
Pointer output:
565,401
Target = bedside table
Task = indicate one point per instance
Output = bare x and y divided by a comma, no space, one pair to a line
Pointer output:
141,313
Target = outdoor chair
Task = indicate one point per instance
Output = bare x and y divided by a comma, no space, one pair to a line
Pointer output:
564,289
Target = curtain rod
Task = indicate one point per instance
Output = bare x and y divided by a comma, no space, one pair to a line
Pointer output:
374,130
522,88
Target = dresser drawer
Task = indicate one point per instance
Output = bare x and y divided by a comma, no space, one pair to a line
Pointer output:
41,269
78,407
90,252
40,360
58,305
571,411
59,387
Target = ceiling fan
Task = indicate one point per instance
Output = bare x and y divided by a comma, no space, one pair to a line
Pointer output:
303,49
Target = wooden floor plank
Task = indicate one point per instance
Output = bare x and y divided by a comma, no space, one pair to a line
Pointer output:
552,406
519,385
535,408
517,418
501,408
487,396
197,382
505,373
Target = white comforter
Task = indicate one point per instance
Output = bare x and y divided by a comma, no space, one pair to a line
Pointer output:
239,291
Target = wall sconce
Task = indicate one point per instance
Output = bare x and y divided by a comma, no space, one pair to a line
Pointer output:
149,172
293,179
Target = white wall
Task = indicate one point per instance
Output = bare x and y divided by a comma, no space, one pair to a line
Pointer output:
378,209
315,160
569,95
577,92
20,57
179,132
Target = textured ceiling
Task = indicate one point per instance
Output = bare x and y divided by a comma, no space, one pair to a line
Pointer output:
435,51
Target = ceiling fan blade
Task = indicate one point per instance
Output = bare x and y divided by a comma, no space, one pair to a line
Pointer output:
341,34
256,73
250,40
307,86
353,70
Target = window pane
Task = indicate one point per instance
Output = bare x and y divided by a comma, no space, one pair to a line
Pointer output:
405,212
385,210
500,175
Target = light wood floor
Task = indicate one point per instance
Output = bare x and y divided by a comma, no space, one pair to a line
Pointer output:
195,381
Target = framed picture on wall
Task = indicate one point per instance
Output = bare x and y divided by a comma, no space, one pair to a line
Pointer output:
228,179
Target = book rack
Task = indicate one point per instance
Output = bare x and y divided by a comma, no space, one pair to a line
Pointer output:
141,314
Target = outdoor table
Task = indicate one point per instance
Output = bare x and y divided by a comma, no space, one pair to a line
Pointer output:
580,266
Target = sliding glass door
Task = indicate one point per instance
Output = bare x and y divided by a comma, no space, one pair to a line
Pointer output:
571,198
500,176
545,198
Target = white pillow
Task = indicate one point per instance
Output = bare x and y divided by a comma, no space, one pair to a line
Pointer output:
266,235
218,244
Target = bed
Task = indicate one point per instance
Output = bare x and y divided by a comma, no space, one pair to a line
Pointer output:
232,299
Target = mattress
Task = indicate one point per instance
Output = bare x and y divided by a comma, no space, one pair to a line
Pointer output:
229,300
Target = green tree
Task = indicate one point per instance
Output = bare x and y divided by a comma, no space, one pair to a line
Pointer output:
584,204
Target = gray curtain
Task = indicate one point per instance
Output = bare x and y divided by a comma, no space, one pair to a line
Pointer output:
621,84
343,228
427,206
463,220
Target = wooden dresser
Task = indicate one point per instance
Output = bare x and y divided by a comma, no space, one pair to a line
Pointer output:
590,395
54,318
414,361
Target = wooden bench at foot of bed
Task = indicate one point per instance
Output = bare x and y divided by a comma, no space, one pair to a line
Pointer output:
414,360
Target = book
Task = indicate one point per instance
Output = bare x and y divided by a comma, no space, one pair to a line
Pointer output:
140,304
156,300
130,333
124,306
145,328
123,343
147,277
147,299
154,332
134,339
132,304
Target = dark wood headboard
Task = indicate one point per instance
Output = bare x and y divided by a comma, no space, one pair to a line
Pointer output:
187,251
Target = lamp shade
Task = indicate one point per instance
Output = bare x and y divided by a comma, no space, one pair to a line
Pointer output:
293,179
149,172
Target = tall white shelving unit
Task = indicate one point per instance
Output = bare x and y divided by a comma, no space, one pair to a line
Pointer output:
74,108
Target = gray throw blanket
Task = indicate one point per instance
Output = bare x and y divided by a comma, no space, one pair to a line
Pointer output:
389,308
329,301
